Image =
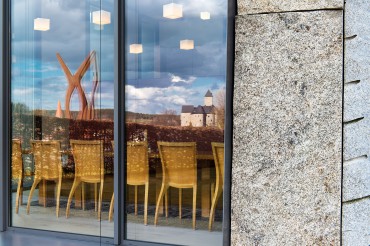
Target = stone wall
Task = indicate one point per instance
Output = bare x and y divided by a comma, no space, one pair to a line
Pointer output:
197,120
356,166
185,119
210,120
286,174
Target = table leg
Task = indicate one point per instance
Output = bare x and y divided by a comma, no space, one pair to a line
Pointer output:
42,193
78,197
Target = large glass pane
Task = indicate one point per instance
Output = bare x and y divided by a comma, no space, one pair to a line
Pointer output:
175,102
62,115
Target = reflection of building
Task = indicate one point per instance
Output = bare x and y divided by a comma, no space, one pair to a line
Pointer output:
201,115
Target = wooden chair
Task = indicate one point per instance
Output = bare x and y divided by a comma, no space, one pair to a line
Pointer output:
17,171
179,167
48,166
218,154
89,167
137,173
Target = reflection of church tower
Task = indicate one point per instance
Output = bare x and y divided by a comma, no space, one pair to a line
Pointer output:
208,98
59,113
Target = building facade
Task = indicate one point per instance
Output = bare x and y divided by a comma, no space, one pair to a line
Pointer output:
296,124
200,116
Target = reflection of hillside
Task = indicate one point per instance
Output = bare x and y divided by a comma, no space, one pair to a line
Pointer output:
153,119
103,114
108,114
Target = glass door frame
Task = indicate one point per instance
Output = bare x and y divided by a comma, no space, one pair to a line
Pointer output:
119,129
4,115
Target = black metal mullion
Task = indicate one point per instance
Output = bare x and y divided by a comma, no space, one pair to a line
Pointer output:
119,122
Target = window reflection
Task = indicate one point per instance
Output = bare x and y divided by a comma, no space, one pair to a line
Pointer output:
62,99
62,118
175,103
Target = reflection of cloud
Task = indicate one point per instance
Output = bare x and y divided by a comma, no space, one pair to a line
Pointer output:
176,79
71,34
156,100
19,92
43,69
215,7
190,7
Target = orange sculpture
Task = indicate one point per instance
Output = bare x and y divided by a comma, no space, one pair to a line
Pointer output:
74,83
59,112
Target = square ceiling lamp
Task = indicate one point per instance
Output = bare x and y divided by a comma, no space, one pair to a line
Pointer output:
187,44
101,17
41,24
136,48
205,15
172,11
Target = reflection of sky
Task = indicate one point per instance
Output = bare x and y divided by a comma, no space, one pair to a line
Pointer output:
162,77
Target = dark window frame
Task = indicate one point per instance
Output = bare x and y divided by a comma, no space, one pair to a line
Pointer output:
119,117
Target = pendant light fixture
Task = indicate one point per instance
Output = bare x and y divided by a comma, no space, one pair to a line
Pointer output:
172,11
205,15
136,48
187,44
41,24
101,17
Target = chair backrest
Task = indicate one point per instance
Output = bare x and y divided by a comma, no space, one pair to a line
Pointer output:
47,158
89,159
219,156
179,162
17,161
137,163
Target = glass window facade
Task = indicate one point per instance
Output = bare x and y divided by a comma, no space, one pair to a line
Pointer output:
62,118
62,115
175,106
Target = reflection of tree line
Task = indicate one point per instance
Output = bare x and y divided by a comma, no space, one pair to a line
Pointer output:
166,118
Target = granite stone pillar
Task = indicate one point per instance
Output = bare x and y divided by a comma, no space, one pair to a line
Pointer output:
286,173
356,166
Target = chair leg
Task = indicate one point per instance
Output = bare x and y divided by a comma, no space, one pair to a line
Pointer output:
83,195
35,183
111,206
180,203
21,195
194,206
96,195
160,197
100,198
74,186
17,198
215,198
146,203
166,202
58,195
135,200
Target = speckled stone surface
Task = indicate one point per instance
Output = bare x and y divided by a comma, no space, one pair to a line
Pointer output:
356,100
356,179
264,6
356,223
286,174
357,61
356,167
356,139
